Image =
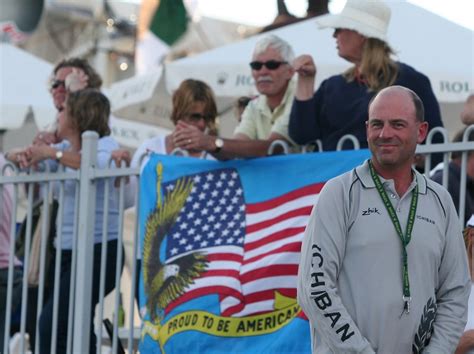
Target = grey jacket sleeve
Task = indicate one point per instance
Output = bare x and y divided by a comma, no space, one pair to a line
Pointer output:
322,255
454,287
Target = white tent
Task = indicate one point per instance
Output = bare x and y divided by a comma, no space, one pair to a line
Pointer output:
439,48
140,106
24,88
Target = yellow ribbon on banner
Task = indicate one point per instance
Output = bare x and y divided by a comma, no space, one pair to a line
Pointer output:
209,323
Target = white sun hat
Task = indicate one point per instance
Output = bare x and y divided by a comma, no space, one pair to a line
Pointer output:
369,18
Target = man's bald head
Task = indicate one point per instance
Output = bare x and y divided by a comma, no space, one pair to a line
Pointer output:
394,128
402,93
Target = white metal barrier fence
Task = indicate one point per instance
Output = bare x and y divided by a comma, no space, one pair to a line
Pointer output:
86,180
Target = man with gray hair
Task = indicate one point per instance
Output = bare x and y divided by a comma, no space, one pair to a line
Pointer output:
266,117
383,267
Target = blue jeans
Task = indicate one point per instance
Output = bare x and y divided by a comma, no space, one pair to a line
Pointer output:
46,318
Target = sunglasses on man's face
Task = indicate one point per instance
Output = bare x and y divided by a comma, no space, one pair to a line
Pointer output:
56,83
270,65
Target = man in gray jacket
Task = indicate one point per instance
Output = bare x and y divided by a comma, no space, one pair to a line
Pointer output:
383,267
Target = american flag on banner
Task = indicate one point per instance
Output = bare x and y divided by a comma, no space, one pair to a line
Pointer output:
250,247
238,231
213,221
274,233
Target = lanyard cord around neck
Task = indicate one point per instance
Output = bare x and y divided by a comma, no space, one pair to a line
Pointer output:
405,239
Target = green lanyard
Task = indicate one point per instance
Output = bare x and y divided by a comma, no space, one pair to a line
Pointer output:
404,238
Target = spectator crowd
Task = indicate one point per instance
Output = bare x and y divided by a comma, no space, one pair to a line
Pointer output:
388,106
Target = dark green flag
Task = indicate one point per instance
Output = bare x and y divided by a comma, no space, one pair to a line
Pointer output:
170,21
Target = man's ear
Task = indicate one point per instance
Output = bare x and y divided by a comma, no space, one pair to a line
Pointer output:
422,132
291,71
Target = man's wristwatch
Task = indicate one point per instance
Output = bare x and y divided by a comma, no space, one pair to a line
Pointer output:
219,145
58,155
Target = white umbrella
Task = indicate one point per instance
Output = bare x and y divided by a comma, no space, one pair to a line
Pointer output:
142,98
24,87
437,47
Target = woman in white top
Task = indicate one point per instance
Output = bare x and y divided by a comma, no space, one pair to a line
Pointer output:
193,104
86,109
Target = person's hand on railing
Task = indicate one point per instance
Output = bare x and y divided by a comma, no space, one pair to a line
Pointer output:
18,156
38,153
122,158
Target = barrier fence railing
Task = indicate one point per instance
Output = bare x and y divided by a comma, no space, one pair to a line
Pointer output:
85,181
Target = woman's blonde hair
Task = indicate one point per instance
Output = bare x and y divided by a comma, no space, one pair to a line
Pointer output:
190,92
377,67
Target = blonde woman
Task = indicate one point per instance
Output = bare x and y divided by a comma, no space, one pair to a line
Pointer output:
340,105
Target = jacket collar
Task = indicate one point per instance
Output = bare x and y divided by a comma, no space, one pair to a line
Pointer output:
362,171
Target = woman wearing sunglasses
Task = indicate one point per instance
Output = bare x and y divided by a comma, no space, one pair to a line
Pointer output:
69,75
340,105
194,104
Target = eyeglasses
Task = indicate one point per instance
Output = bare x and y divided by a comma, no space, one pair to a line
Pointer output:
270,65
56,83
195,117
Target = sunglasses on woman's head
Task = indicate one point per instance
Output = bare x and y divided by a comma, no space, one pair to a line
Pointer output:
270,64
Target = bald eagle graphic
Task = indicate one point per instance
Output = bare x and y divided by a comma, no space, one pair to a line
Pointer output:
166,282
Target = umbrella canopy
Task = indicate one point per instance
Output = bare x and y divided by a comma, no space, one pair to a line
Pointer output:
142,98
24,80
437,47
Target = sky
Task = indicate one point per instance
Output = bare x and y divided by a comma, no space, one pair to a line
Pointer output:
262,12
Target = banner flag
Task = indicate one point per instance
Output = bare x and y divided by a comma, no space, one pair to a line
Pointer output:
221,246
